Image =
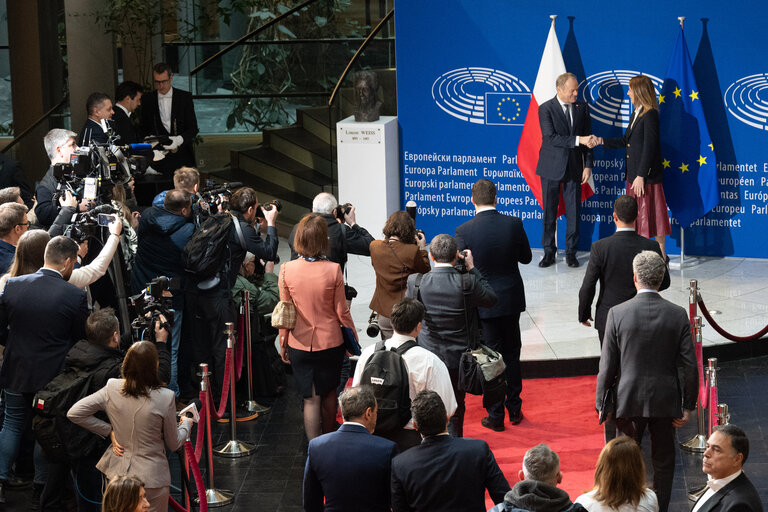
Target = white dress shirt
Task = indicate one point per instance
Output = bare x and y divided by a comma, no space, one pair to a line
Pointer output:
164,102
714,485
568,111
124,109
425,372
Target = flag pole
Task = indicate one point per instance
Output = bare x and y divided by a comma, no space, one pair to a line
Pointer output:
681,19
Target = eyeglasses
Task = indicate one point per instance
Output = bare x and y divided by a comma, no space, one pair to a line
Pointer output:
162,81
25,224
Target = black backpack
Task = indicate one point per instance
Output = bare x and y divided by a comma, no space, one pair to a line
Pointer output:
386,373
60,439
205,253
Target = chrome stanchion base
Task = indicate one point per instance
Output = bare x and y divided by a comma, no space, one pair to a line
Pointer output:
253,406
696,444
217,497
698,493
233,449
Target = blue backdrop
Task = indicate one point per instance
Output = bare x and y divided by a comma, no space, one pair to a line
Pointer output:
466,69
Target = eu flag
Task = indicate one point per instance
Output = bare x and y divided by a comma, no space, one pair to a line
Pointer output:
690,170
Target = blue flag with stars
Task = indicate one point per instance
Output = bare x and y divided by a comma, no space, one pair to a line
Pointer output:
690,170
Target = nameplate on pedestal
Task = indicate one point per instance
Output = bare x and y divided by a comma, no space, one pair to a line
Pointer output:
361,135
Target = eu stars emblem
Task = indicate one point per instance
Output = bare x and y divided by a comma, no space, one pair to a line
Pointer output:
506,108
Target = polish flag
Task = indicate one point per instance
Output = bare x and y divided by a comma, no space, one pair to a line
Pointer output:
552,66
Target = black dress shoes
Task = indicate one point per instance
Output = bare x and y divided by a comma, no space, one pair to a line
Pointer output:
547,261
487,423
571,260
515,419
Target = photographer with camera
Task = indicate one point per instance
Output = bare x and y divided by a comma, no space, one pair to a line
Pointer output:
98,106
163,233
345,236
208,300
451,298
60,145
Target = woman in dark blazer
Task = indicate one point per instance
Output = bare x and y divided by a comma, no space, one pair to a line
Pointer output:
644,170
399,255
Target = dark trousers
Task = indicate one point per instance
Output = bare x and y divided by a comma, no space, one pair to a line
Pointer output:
609,426
456,423
502,334
550,192
662,451
88,483
204,341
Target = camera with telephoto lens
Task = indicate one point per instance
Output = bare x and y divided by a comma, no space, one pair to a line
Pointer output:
268,206
373,328
461,264
341,210
155,300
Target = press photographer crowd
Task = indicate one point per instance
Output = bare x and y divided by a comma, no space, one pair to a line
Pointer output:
109,308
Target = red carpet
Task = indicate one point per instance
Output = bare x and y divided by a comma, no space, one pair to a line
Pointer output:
559,412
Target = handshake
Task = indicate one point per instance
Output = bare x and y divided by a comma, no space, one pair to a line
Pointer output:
590,141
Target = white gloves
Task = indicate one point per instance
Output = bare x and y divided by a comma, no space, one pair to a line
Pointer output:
157,155
176,141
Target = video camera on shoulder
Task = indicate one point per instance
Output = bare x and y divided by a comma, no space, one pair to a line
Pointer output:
150,303
213,196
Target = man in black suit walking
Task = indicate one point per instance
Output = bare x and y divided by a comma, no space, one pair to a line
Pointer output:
34,349
170,112
610,262
498,243
646,339
451,300
443,472
96,127
127,100
565,162
728,488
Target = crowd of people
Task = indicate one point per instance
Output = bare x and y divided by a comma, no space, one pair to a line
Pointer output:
86,397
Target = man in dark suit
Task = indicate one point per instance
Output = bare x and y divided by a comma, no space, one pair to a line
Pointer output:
451,299
564,163
498,243
34,350
443,472
99,109
646,339
170,112
127,100
610,262
728,488
350,468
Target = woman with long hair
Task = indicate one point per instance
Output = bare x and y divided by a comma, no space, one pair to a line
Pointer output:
643,165
125,494
315,346
142,418
400,254
620,480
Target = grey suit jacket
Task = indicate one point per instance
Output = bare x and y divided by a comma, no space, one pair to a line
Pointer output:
646,339
141,425
444,330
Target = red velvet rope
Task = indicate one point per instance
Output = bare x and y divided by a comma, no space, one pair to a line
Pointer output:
713,400
726,334
703,388
201,425
190,452
218,413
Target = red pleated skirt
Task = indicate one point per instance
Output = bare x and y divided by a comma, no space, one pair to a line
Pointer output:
652,216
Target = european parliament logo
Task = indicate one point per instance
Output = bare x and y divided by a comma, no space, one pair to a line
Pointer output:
606,94
744,102
482,96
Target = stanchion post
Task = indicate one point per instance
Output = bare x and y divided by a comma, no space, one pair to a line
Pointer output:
712,377
723,416
698,443
233,448
693,299
245,306
214,497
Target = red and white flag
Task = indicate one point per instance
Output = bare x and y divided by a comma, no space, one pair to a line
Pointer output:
552,66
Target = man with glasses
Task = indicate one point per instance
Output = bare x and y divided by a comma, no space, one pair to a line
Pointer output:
169,113
13,224
60,145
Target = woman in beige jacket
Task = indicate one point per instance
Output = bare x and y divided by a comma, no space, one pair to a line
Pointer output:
142,417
